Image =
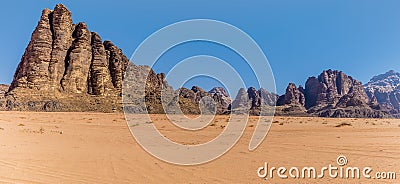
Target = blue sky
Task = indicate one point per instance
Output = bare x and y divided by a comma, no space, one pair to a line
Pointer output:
300,38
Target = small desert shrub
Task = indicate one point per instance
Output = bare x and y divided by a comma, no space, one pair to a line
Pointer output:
343,124
21,124
41,130
281,123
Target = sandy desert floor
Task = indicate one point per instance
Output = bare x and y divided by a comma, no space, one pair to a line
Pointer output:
99,148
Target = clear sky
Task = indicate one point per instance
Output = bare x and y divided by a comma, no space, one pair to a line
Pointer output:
300,38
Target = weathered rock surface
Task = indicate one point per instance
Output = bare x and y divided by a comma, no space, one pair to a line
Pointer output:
3,90
254,102
332,94
118,63
78,61
384,90
292,102
33,71
99,79
330,86
222,99
196,100
293,96
241,103
66,67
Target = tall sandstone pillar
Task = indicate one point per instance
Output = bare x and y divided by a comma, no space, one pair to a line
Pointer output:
78,61
62,29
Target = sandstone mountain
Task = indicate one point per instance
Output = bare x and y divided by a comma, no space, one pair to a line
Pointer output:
255,102
66,67
292,102
385,90
332,94
216,100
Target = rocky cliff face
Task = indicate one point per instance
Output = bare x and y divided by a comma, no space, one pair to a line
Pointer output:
255,102
384,89
66,67
332,94
3,90
292,102
191,100
329,87
293,96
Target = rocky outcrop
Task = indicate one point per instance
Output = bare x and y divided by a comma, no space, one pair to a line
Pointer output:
3,90
99,79
254,102
384,90
118,64
196,100
293,96
254,98
329,87
66,67
267,98
222,99
78,61
33,71
332,94
241,103
292,102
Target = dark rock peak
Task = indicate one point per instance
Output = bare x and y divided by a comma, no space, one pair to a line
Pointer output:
293,96
254,97
330,86
389,74
219,91
385,90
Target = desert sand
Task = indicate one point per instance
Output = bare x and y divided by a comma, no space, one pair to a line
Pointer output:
99,148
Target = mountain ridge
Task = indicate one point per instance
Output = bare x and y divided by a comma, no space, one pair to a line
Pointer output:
67,67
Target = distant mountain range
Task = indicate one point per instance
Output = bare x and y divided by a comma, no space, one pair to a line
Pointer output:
385,90
66,67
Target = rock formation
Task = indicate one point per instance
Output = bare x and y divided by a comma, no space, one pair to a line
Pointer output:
332,94
241,103
255,102
222,99
3,90
292,102
191,101
293,96
66,67
330,86
384,90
